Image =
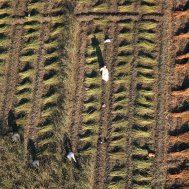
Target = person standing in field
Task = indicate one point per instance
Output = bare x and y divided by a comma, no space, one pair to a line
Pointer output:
105,73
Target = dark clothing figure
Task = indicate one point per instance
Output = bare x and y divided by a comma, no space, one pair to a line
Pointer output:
12,121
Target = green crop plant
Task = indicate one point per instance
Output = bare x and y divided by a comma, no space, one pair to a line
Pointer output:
91,138
30,58
140,178
126,48
57,19
142,100
93,92
146,93
142,164
149,9
84,1
145,79
31,35
91,60
120,124
90,127
146,61
93,66
147,46
99,35
116,185
5,30
149,1
5,20
24,86
122,80
100,22
53,66
123,68
121,102
140,134
117,155
22,121
27,94
143,122
33,18
127,36
95,80
120,142
29,26
119,111
118,173
45,129
145,70
39,6
128,8
147,36
23,108
126,24
142,187
52,44
100,8
33,45
6,11
26,74
4,56
140,110
93,116
50,99
121,94
89,151
119,133
5,43
95,104
45,142
148,25
139,151
51,81
56,32
48,112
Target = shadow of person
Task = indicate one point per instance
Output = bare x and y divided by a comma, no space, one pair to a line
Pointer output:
96,45
12,121
32,149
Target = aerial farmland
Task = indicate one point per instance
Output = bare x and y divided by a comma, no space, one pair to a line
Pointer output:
94,94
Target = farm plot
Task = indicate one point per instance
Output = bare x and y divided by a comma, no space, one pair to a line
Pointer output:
128,132
178,152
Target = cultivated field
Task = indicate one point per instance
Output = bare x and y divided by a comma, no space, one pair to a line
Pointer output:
131,132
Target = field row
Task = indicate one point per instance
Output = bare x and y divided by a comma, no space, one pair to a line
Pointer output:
126,6
178,151
35,43
120,135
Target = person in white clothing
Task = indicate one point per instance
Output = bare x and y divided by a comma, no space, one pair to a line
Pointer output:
71,156
35,163
107,41
16,137
105,73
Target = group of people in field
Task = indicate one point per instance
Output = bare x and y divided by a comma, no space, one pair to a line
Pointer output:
31,147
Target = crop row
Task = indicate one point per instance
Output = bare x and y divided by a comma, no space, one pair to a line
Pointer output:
118,145
5,41
144,109
28,74
123,6
92,98
145,102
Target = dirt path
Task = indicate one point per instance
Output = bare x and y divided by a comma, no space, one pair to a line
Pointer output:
101,173
162,125
79,78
